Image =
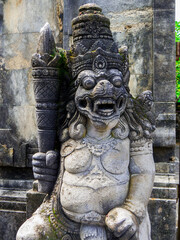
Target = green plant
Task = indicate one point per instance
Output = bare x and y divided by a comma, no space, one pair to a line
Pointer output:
177,38
178,81
177,31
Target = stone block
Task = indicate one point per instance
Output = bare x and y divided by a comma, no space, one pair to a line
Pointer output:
5,137
165,137
16,183
164,21
167,107
165,168
12,195
164,4
34,200
6,155
1,10
164,43
164,68
164,91
18,88
164,193
119,11
162,154
12,205
11,220
140,83
26,125
18,49
17,173
163,218
28,16
166,181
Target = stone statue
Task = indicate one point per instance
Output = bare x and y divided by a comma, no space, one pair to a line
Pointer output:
106,167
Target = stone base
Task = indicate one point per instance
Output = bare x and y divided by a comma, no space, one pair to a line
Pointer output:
11,220
163,206
34,200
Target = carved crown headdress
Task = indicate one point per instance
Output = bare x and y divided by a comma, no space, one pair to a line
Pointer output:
93,46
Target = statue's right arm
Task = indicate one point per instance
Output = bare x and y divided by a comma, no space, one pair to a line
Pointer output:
45,165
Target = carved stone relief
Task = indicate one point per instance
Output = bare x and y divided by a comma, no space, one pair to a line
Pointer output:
103,177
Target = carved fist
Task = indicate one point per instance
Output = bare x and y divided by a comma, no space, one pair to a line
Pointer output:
122,223
45,166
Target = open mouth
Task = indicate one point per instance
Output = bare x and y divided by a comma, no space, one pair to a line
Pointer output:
102,106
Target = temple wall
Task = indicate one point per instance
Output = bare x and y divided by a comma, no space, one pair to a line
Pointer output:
21,21
147,28
131,25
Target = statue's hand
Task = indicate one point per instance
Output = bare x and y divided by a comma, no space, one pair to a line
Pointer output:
45,165
122,223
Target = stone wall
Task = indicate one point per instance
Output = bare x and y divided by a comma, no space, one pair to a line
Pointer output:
131,25
145,26
20,23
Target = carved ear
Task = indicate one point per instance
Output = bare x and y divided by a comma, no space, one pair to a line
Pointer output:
121,131
77,128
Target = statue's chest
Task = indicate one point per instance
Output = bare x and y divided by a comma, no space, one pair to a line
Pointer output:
112,157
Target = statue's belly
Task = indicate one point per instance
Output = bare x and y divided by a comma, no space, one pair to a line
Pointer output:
85,199
94,184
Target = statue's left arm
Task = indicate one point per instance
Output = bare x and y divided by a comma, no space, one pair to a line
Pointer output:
142,171
124,220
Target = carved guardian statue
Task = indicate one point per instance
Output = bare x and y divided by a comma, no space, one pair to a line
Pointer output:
106,170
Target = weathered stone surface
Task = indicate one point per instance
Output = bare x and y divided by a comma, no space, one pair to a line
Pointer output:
164,4
20,22
164,192
164,21
165,134
165,181
12,205
16,96
139,83
12,195
6,155
34,200
163,44
164,107
25,16
11,220
131,25
16,183
163,218
18,49
27,133
164,168
163,154
167,73
5,172
164,91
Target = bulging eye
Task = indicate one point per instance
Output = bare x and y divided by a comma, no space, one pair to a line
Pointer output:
88,83
117,81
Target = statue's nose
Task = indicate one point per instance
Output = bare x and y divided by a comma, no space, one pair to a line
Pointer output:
104,86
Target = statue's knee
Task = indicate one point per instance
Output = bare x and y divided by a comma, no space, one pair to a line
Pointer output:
26,232
30,230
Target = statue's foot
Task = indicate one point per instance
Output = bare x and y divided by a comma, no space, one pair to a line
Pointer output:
92,232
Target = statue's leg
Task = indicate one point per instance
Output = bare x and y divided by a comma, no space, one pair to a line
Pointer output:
36,228
92,232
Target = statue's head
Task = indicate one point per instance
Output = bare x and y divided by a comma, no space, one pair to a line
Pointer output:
98,68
